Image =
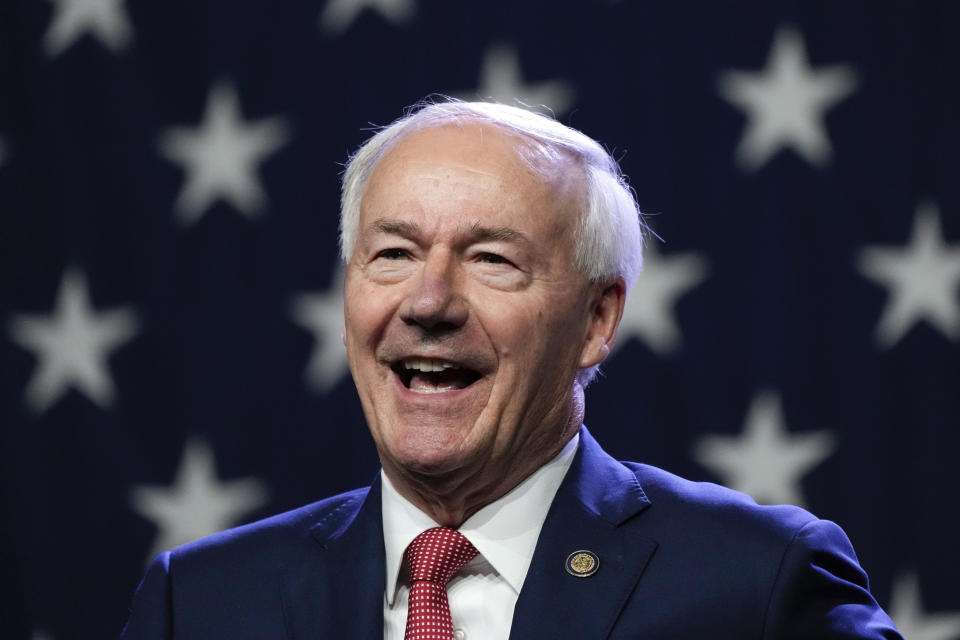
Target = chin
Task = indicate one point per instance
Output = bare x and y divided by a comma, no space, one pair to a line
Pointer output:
428,451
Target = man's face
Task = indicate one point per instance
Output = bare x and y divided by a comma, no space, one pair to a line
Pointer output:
466,319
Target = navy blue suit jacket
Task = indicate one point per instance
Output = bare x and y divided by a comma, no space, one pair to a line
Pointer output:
677,560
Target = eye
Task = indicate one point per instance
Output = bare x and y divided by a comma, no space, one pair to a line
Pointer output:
493,258
393,254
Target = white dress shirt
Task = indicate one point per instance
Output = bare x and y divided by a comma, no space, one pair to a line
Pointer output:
505,532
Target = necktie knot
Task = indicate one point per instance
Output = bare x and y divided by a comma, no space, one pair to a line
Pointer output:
437,554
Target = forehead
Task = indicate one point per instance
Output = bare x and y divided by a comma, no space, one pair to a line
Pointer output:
465,167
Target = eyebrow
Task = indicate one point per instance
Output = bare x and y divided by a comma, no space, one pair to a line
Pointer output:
496,234
396,228
478,232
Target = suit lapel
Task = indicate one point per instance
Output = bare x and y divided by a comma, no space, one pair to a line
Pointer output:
337,591
592,510
336,588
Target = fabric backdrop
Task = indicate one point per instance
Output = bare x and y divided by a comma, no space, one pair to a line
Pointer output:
170,353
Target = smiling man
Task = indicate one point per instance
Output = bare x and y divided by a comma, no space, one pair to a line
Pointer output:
489,252
467,316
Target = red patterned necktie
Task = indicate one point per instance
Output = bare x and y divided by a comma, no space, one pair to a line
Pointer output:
434,556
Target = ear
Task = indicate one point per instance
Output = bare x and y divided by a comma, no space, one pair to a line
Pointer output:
605,313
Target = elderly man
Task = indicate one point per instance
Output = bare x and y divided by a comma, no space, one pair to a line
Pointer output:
489,254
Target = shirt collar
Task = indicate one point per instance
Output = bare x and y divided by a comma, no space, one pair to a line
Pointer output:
505,532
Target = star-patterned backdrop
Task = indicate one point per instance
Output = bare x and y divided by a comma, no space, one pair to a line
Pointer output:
170,293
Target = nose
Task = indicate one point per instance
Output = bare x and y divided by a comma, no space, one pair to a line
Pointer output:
435,301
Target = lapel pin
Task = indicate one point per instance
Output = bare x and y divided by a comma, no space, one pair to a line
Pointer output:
582,563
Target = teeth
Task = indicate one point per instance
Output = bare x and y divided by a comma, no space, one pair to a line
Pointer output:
430,390
427,365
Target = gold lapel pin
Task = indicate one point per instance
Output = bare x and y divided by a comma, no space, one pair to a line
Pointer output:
582,563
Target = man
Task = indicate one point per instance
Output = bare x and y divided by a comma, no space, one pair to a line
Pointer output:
489,254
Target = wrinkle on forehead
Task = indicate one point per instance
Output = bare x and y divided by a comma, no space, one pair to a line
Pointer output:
475,232
490,164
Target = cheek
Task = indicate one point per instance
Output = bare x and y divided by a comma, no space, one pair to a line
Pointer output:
524,338
353,321
366,314
558,332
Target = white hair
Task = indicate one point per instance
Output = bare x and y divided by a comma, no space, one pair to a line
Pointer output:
609,238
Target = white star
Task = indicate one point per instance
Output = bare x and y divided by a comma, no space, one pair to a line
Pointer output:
906,609
765,461
221,156
649,312
322,314
72,345
106,20
786,103
923,278
338,15
197,503
502,80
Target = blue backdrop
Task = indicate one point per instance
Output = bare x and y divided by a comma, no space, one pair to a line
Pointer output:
170,355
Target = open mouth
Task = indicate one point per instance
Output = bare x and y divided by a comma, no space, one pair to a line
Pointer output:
426,375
